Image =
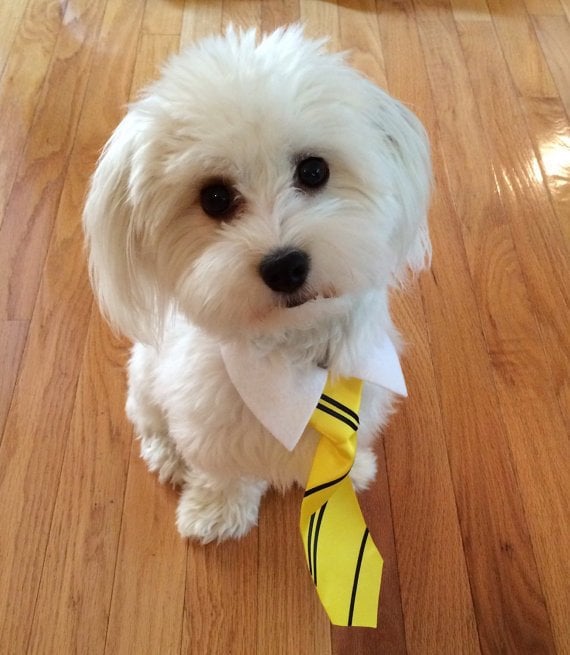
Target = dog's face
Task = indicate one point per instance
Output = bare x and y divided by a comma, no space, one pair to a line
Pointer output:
254,183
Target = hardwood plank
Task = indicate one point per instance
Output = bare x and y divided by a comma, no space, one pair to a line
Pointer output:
469,10
290,618
163,17
200,20
37,425
554,36
543,254
39,180
242,15
221,602
544,7
321,19
276,13
505,169
40,415
24,71
12,341
509,605
359,35
438,609
495,531
153,51
524,384
148,593
548,126
566,5
73,601
11,14
436,595
527,65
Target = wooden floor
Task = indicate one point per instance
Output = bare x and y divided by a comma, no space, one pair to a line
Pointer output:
471,504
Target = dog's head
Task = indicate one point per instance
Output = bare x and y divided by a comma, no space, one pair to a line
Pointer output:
252,181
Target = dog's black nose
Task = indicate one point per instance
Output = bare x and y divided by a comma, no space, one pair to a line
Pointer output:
285,270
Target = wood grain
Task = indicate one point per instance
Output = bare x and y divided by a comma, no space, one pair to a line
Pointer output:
527,396
540,246
11,14
147,606
32,204
40,416
200,19
544,7
554,36
72,606
275,13
153,50
430,544
479,450
548,126
470,507
289,618
163,18
242,15
25,67
469,10
358,26
37,425
13,336
221,602
527,63
321,19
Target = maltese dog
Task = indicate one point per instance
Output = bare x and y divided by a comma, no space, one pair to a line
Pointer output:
249,216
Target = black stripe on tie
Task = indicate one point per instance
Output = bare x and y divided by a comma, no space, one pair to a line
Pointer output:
309,543
344,408
338,416
356,575
319,520
325,485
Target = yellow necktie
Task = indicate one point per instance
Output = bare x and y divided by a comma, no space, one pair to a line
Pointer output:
344,563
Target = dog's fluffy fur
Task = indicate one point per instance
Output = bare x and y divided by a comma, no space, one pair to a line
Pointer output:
179,282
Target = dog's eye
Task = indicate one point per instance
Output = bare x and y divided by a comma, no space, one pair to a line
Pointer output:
312,172
217,200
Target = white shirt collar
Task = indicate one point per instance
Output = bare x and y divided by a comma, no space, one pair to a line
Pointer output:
283,397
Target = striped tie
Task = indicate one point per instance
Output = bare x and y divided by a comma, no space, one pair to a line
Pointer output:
344,563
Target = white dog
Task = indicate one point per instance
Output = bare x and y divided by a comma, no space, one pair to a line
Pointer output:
252,210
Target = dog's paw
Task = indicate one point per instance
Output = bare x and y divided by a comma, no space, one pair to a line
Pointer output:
363,470
209,511
161,457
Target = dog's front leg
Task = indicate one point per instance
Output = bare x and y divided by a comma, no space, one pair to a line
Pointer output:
213,509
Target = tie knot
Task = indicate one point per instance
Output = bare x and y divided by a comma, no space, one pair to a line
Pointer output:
336,414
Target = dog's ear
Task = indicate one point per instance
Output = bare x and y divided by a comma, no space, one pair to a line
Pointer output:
405,139
120,274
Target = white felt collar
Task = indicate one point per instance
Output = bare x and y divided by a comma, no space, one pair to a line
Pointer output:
282,397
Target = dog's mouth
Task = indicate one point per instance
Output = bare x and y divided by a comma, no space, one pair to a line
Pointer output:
300,308
308,295
297,301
